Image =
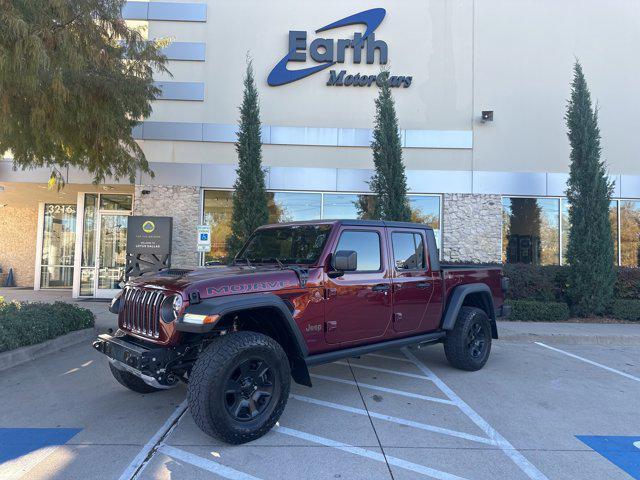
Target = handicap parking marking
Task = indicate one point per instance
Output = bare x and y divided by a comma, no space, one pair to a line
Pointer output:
363,452
516,457
21,449
140,461
590,362
393,391
384,370
205,464
397,420
622,451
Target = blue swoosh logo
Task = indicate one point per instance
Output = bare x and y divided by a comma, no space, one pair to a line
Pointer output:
281,75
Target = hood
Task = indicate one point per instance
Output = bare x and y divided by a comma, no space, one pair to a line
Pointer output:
222,280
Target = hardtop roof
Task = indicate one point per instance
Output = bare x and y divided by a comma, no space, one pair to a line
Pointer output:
354,223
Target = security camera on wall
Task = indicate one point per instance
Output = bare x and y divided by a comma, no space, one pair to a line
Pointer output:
487,116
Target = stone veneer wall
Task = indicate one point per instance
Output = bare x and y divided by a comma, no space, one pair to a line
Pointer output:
18,231
472,228
181,203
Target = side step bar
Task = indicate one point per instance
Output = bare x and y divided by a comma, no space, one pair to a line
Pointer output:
329,357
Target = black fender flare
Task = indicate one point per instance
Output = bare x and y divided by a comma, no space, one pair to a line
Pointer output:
456,300
237,303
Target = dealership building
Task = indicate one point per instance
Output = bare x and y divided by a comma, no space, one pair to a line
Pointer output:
480,89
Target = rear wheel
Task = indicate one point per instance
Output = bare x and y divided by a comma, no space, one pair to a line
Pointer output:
130,381
468,345
239,386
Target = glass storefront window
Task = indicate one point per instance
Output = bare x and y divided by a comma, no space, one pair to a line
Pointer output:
426,209
115,202
630,233
299,206
346,205
531,230
294,207
566,228
58,246
218,207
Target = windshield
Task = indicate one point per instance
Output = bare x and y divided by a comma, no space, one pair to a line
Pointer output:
292,244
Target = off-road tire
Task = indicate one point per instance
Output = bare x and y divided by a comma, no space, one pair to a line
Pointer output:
130,381
457,342
209,379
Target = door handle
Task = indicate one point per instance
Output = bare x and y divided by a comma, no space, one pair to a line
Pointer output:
423,284
381,287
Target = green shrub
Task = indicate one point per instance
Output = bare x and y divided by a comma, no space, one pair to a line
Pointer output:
23,324
627,283
533,282
625,309
536,311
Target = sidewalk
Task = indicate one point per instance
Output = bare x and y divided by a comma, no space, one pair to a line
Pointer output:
570,333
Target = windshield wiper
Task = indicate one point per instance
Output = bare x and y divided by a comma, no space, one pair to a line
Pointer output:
246,259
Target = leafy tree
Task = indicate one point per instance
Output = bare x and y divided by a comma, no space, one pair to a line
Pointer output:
250,207
389,181
74,81
590,252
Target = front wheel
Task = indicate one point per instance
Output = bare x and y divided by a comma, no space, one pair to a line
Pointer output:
468,345
239,386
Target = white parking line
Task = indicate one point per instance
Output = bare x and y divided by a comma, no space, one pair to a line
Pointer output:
138,463
383,370
527,467
383,389
590,362
389,357
363,452
397,420
205,464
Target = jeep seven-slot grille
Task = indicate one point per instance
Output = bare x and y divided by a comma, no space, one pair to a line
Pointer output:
141,312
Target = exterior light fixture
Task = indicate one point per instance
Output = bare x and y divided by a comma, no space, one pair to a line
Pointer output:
487,116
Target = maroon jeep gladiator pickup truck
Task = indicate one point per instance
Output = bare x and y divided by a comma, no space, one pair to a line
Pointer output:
296,295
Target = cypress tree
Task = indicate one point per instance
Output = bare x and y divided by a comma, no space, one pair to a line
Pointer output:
250,196
590,252
389,181
74,81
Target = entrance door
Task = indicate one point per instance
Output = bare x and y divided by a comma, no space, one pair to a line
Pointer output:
111,253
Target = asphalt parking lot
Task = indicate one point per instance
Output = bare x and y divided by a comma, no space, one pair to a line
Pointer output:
400,414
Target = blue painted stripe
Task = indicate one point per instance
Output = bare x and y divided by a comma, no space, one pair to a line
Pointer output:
17,442
622,451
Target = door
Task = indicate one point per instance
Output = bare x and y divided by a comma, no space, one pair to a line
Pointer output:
412,283
111,253
358,304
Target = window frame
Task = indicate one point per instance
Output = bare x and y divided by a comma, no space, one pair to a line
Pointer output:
383,259
425,264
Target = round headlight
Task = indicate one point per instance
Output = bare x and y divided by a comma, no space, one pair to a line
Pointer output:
171,308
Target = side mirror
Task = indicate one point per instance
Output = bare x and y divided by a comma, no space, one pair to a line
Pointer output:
345,261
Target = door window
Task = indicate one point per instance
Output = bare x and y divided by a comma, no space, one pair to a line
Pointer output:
58,246
367,245
408,251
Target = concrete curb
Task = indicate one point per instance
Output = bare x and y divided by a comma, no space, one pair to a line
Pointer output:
21,355
567,339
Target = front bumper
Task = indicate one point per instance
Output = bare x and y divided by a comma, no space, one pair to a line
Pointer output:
149,364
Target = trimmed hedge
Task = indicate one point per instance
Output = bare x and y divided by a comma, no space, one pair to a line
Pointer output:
23,324
537,311
625,309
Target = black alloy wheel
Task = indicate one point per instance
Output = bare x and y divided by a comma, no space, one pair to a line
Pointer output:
249,389
476,340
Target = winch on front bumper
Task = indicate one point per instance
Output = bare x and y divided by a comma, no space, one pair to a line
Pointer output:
158,367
